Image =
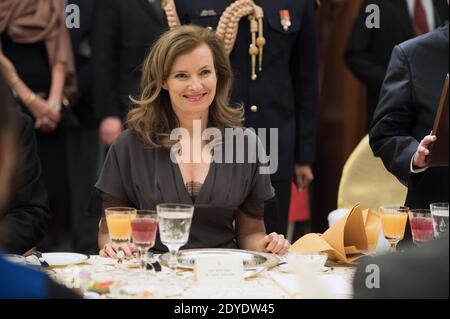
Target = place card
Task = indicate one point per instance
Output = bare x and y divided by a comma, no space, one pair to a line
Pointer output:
219,271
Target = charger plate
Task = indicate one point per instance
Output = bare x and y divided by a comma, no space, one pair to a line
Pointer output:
252,260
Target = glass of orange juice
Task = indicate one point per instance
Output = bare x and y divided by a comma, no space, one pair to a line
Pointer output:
393,220
118,220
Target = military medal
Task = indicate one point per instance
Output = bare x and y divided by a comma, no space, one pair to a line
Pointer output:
285,19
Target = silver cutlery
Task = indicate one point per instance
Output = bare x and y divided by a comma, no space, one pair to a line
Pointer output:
41,259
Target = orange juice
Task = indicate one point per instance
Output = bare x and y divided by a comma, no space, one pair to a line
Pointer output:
394,224
119,226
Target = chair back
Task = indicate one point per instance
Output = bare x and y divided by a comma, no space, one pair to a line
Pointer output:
365,180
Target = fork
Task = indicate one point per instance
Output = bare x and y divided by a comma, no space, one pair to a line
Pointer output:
41,259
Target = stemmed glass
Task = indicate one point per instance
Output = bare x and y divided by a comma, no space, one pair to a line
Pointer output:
393,220
118,220
143,230
439,212
174,227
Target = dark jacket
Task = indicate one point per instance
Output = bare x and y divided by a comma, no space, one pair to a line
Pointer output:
123,33
405,114
81,39
421,273
27,217
369,50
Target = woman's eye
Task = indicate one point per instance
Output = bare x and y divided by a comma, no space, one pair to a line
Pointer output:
181,76
205,72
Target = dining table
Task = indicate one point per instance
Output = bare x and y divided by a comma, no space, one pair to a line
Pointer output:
97,277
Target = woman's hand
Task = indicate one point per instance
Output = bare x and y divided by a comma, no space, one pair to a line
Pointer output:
274,243
47,118
110,250
423,150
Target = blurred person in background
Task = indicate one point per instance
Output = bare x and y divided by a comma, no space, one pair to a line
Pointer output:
82,137
420,273
123,33
17,281
369,49
37,62
26,218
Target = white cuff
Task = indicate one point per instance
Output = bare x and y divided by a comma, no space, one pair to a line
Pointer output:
417,170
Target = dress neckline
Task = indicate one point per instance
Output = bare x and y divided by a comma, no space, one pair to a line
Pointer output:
205,190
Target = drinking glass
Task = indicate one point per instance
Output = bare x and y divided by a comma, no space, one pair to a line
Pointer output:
144,225
393,220
439,212
174,226
118,220
421,224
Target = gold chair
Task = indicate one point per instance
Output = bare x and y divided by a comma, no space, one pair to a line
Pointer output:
365,180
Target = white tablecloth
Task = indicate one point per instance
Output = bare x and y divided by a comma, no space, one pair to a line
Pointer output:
334,282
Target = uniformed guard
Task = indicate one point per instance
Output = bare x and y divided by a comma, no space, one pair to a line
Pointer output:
272,47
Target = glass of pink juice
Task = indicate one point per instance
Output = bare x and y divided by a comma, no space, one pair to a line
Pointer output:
144,225
421,223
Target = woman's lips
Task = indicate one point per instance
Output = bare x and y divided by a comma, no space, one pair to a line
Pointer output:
195,98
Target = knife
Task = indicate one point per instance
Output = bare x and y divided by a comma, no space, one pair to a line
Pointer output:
41,259
153,263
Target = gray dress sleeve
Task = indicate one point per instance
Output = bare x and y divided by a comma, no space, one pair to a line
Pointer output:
261,190
110,181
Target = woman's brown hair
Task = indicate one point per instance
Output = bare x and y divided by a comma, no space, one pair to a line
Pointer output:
153,118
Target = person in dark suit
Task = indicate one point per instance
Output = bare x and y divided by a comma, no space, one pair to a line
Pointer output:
123,33
27,216
421,273
284,93
83,141
20,281
404,117
368,50
25,220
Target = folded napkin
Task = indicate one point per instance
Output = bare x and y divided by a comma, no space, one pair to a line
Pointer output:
355,234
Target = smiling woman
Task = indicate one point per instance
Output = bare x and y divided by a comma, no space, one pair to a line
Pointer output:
168,88
186,81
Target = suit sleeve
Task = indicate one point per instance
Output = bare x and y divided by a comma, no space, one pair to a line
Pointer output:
390,133
305,83
358,55
105,58
26,220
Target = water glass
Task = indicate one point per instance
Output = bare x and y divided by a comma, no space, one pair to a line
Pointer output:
439,212
174,222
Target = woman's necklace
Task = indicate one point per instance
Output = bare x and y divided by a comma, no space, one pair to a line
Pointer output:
228,26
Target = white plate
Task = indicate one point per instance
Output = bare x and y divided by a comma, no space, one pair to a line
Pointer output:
59,259
252,260
17,259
